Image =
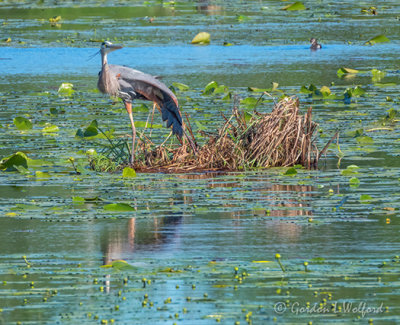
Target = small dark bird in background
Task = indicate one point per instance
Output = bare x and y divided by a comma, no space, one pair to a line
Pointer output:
130,84
314,44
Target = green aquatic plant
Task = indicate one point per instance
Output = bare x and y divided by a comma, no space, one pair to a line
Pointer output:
202,38
295,6
14,162
102,163
278,258
22,123
377,39
66,89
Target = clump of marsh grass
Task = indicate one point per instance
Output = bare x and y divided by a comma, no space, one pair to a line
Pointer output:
281,138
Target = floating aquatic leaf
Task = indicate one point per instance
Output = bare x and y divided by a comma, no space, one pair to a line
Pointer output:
353,92
17,159
242,18
389,84
81,200
290,172
318,260
39,174
128,172
66,89
210,87
365,198
350,170
325,91
256,90
275,86
38,162
201,38
90,131
221,89
22,170
345,71
250,102
308,90
295,6
78,200
22,123
118,207
55,19
50,128
180,86
261,261
354,182
378,39
120,265
365,140
377,75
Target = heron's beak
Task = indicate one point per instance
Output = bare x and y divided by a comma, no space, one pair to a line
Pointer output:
114,47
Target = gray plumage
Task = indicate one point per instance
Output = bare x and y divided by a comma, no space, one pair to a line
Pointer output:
130,84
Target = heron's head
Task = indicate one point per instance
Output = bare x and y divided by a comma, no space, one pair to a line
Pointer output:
107,47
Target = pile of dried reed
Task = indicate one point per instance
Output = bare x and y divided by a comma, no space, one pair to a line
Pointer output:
281,138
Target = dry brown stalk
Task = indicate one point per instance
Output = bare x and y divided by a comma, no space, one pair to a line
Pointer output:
280,138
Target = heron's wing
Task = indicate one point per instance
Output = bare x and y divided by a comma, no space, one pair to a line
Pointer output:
148,87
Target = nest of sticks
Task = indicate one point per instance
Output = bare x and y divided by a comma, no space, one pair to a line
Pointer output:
281,138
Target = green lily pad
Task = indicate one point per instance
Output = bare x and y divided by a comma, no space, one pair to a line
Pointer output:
346,71
17,159
201,38
122,207
249,102
209,88
378,39
350,170
365,198
120,265
50,128
295,6
90,131
66,89
128,172
377,75
365,140
22,123
180,86
290,172
39,174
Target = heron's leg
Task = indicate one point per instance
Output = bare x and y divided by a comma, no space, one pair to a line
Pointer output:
152,115
128,106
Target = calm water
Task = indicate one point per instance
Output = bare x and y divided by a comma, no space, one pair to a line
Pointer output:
204,243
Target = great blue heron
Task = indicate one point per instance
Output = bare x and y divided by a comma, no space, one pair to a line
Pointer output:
130,84
314,44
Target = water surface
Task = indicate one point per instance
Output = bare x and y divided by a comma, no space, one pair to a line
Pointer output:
206,242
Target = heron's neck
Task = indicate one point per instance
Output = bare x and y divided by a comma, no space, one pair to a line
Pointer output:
104,60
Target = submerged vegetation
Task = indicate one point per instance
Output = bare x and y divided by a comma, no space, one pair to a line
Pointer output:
87,240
